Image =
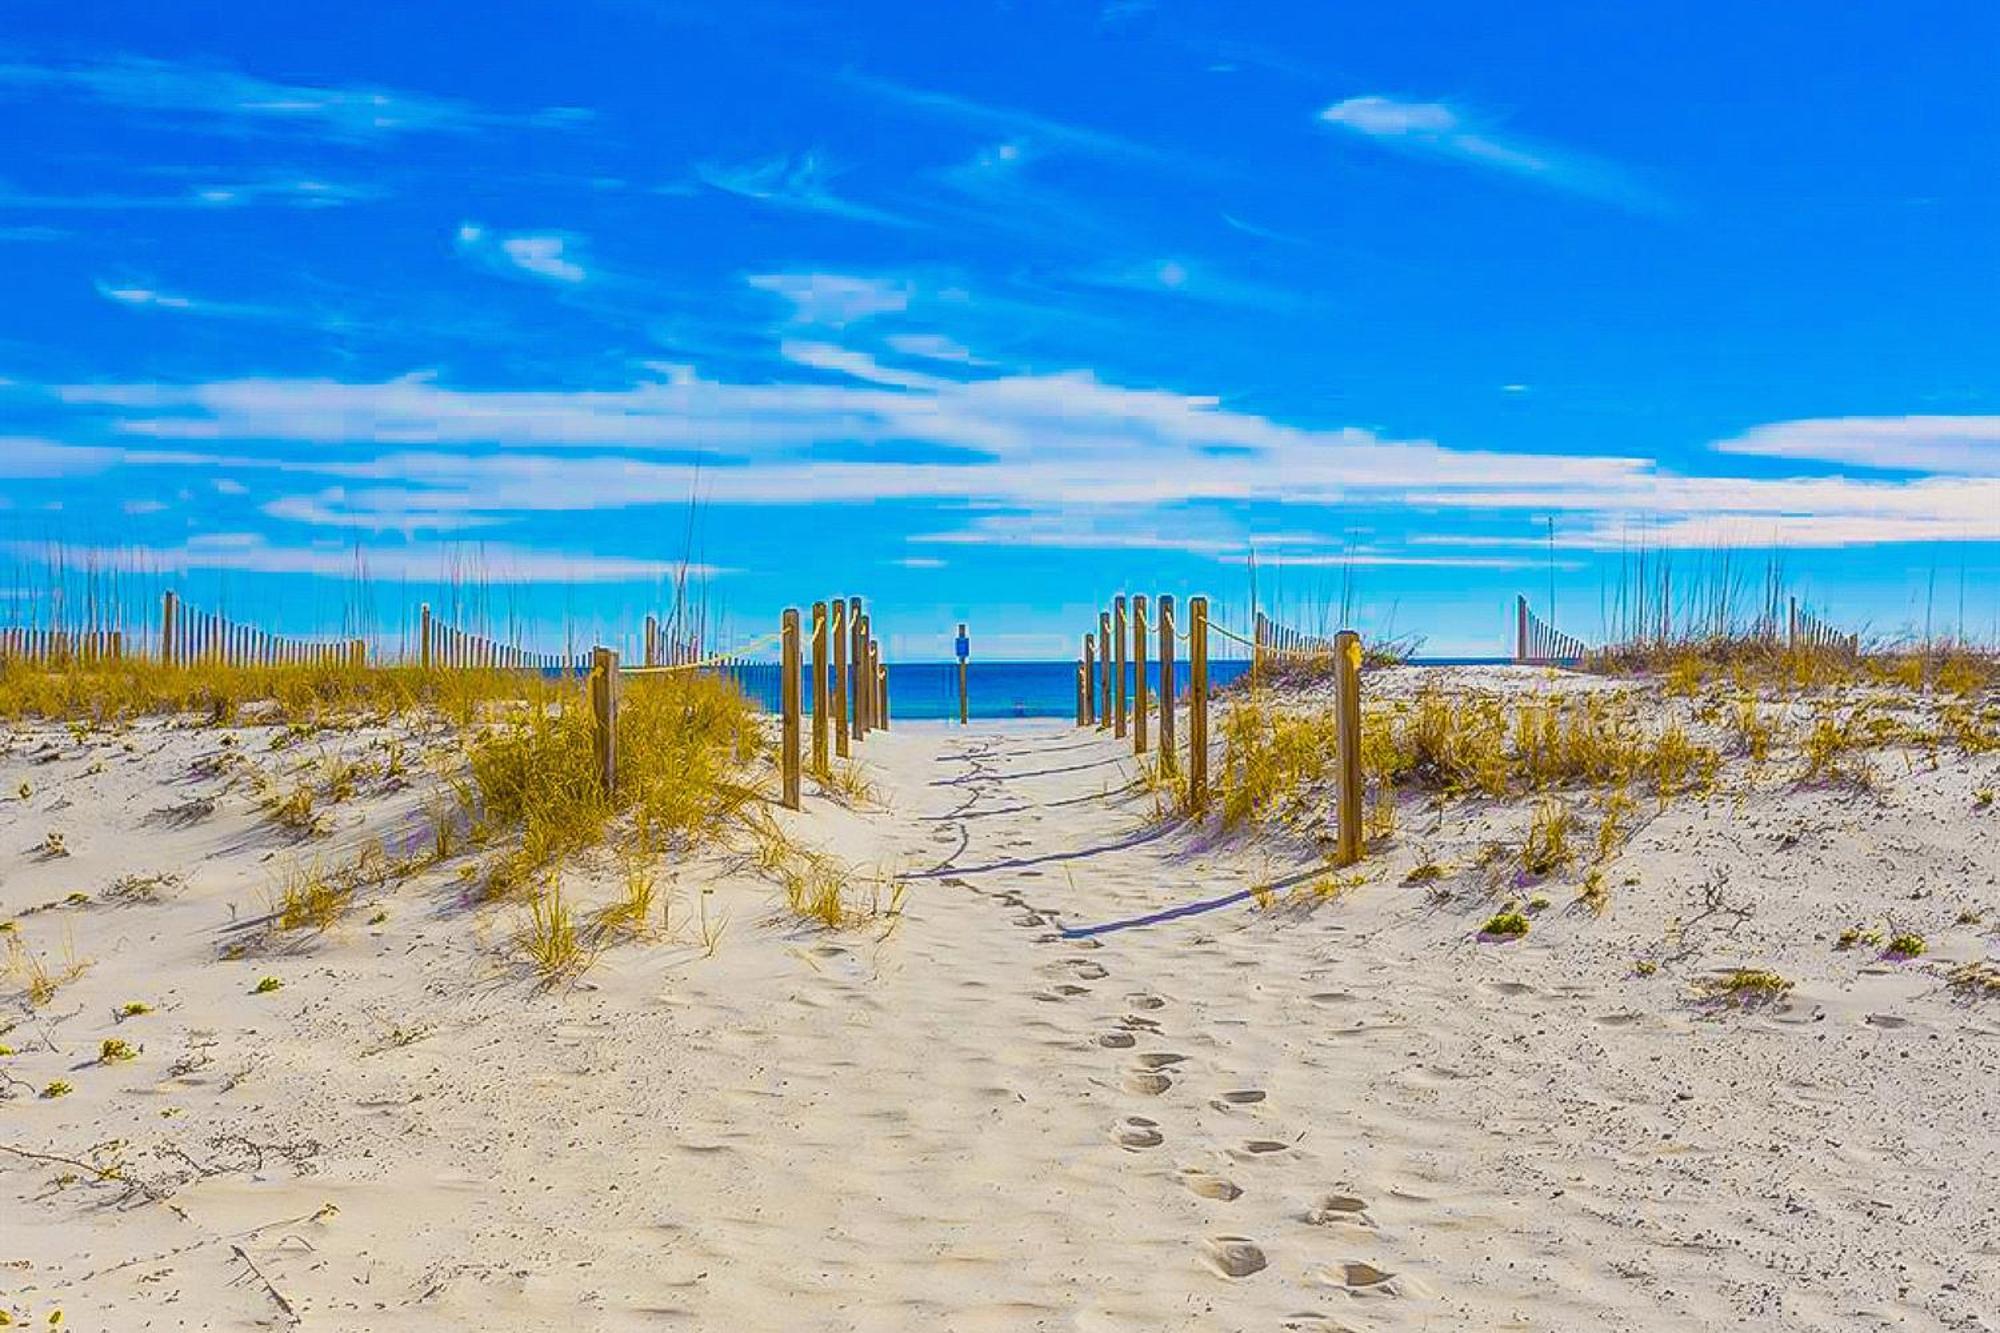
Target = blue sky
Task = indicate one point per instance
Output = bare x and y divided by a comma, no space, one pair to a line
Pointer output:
987,311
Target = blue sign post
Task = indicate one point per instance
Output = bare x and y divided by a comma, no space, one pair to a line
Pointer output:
964,651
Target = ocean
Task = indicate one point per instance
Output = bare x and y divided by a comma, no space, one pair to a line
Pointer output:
929,690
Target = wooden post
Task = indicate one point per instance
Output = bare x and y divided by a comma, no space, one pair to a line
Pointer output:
424,637
169,604
1122,631
604,716
1089,680
1138,675
857,665
840,677
357,653
964,707
788,693
1082,693
1103,670
1520,629
819,687
882,670
1347,740
1167,757
1197,702
652,641
1791,623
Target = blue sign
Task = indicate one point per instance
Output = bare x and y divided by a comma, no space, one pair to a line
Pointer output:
964,647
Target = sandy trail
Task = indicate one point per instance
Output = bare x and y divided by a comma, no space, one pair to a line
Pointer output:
1014,1112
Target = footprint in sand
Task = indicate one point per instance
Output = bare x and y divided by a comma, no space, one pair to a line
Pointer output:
1160,1059
1339,1210
1147,1083
1208,1185
1141,1000
1030,919
1365,1279
1235,1256
1135,1132
1138,1024
1117,1041
1230,1101
1259,1149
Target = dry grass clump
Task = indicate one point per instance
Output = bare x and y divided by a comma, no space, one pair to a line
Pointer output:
818,889
1975,980
32,972
551,940
1275,760
1547,848
682,740
107,691
1745,986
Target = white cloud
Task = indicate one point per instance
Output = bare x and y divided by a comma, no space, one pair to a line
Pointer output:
543,256
835,299
1083,461
143,296
803,184
934,347
549,256
21,456
225,100
498,563
1440,129
1017,125
1961,444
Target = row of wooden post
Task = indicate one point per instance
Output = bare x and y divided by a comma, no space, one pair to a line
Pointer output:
850,695
62,645
445,647
1102,699
1101,686
188,637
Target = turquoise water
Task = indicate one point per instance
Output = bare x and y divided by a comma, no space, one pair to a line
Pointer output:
919,690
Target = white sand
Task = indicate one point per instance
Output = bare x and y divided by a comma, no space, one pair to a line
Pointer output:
1353,1115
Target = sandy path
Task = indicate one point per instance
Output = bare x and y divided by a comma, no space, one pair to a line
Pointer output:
1003,1116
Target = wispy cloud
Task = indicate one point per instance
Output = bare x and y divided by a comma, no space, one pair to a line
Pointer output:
225,100
1006,121
498,563
803,184
1189,279
548,256
1442,130
22,456
1066,459
276,191
835,300
142,296
1960,444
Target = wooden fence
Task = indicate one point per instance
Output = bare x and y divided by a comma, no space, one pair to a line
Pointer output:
445,647
1805,630
1103,699
848,698
1538,642
61,645
189,637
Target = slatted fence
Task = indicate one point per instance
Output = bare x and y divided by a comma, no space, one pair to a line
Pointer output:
1537,642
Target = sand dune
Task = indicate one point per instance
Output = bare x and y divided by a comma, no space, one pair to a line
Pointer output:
1003,1110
